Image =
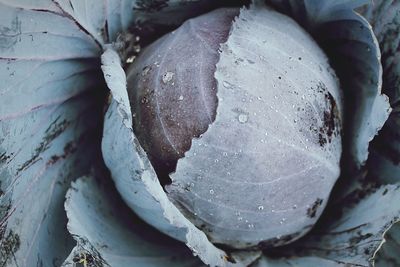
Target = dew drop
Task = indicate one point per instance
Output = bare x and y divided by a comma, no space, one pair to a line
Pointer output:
211,191
130,59
145,71
243,118
251,226
227,85
180,98
167,77
260,207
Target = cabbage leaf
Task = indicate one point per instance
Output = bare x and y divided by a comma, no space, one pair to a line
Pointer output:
134,176
108,234
384,162
50,105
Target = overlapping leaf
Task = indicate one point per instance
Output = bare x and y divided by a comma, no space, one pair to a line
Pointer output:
240,181
384,163
388,255
134,176
49,112
348,40
108,235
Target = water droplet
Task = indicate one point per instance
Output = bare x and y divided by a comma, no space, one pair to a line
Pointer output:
130,59
260,207
225,154
145,71
266,133
216,160
259,98
275,96
251,226
180,98
295,121
167,77
227,85
240,218
294,206
211,191
243,118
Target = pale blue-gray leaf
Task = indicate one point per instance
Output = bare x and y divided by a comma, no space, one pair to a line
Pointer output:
103,20
107,233
294,261
269,156
388,255
353,231
134,176
348,40
49,113
169,13
384,162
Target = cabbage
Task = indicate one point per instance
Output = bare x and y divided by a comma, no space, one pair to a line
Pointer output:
59,59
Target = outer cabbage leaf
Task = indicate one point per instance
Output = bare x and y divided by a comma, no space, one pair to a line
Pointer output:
108,234
174,12
311,261
48,109
388,255
103,20
355,232
268,158
384,162
134,176
348,40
